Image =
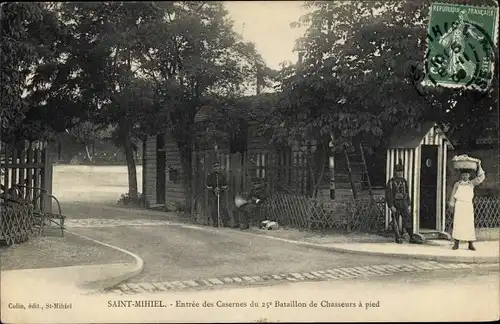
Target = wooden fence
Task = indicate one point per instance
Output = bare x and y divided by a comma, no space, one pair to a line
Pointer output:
486,213
303,212
285,171
29,165
25,166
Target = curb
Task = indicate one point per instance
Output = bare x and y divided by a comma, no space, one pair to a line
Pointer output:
114,280
343,273
174,219
445,258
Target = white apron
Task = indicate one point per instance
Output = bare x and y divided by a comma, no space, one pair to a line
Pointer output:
463,216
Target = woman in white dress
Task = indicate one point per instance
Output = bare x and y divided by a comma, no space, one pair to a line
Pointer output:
463,208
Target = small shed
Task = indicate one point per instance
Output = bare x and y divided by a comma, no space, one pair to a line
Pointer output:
423,153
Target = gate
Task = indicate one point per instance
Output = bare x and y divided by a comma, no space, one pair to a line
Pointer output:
236,173
27,165
285,171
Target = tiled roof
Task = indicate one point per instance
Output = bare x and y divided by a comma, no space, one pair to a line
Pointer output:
404,138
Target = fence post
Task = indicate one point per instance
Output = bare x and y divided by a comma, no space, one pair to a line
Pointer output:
47,177
192,188
349,215
6,171
14,180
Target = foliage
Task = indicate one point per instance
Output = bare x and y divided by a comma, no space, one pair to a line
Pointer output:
359,75
208,67
139,67
92,81
87,132
28,35
127,200
196,60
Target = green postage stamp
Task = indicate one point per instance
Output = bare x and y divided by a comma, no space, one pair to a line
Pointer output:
461,46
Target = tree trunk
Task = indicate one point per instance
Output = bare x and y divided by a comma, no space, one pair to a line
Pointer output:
185,150
89,156
144,176
129,156
132,172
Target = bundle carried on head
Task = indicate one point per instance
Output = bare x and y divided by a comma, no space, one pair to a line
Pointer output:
464,162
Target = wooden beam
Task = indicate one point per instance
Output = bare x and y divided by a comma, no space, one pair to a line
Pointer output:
443,191
416,225
411,182
23,165
387,177
439,187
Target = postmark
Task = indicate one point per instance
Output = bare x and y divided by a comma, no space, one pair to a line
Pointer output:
461,46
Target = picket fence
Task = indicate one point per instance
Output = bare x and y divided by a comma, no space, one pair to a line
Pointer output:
26,173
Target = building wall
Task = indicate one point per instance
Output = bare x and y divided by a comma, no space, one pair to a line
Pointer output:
261,152
258,149
150,169
174,190
259,145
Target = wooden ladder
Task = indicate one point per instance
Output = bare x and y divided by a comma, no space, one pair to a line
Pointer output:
364,173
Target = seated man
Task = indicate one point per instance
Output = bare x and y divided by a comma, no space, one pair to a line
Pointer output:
253,197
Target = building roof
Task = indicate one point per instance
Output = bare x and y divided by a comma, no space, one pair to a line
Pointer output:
248,107
412,138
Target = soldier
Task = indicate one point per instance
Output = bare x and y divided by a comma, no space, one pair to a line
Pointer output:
398,200
216,183
254,196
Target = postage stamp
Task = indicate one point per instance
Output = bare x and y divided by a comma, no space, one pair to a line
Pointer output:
461,46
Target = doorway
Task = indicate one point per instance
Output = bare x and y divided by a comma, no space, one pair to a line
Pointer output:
160,169
428,187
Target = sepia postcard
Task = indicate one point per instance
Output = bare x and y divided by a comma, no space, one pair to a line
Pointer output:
249,161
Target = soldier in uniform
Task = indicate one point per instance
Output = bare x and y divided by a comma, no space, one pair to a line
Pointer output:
217,182
255,195
398,200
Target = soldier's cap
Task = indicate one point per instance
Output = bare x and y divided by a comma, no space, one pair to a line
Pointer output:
216,164
399,167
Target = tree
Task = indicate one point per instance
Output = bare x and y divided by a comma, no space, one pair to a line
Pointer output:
141,67
86,133
356,79
359,74
92,77
29,32
195,59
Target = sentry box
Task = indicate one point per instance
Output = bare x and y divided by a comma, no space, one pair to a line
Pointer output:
423,153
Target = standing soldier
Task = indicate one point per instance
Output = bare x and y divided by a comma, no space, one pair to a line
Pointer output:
216,183
398,200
